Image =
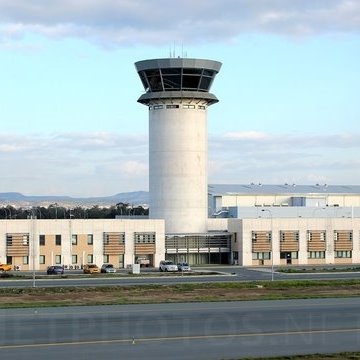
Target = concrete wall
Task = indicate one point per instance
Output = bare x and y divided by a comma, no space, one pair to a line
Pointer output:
178,166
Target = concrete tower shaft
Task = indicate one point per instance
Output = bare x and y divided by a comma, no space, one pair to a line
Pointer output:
177,94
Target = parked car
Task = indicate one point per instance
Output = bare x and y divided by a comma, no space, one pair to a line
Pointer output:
108,268
167,265
91,269
55,270
183,266
5,267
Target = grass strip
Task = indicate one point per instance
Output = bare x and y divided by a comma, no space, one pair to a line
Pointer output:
199,292
335,356
297,270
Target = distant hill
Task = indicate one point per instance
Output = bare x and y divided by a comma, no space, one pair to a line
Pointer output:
18,199
134,198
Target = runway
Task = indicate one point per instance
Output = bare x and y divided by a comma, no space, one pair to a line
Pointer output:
182,331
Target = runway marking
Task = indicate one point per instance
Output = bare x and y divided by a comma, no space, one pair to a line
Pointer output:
135,341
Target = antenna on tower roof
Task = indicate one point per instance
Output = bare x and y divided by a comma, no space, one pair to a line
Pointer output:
172,51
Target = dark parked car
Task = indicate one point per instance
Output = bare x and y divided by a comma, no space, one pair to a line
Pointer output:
55,270
108,268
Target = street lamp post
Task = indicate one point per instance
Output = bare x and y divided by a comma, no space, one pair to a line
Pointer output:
272,243
71,215
33,218
32,238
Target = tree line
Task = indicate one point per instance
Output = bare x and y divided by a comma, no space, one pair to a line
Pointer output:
55,211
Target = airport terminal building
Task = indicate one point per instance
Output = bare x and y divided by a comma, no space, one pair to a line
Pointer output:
255,228
189,220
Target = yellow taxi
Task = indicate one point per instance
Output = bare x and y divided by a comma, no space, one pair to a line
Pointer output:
5,267
91,269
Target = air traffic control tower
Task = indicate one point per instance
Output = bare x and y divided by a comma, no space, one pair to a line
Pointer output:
177,95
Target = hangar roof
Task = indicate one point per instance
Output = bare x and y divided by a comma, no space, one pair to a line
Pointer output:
251,189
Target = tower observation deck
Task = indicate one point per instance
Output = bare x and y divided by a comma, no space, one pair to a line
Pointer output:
177,95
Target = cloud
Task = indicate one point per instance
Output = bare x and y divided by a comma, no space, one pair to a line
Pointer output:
246,135
129,22
84,164
248,140
75,142
9,148
246,157
102,163
129,168
102,141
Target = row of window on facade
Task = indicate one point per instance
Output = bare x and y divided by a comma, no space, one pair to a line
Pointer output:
139,238
294,235
177,79
176,106
289,244
266,255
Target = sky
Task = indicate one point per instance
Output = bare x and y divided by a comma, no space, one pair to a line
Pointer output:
288,90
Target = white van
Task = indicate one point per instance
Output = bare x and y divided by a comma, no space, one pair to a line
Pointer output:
167,265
